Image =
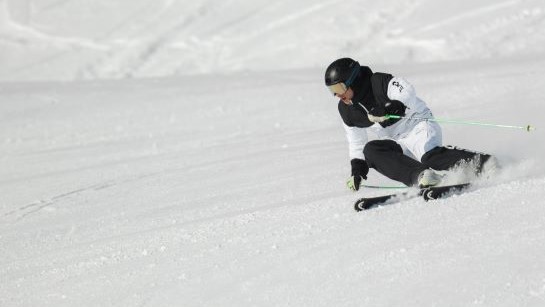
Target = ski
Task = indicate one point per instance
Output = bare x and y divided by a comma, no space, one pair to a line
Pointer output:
370,202
430,193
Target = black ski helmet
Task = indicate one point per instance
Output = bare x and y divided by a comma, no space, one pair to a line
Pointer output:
343,70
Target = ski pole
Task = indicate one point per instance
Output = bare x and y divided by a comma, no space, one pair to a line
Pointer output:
462,122
383,186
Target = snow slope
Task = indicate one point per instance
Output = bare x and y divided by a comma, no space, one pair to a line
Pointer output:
227,189
82,39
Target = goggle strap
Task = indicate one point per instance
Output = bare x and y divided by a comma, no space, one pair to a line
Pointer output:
353,75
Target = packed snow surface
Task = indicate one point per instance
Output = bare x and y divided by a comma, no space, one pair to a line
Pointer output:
215,175
84,39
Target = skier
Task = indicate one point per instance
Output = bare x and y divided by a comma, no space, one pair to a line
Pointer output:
407,149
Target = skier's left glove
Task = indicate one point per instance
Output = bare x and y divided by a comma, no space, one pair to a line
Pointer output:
376,119
380,115
377,115
359,173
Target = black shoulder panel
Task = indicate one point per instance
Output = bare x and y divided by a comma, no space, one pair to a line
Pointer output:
379,83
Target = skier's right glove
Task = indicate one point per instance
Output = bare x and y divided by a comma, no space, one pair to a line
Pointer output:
359,173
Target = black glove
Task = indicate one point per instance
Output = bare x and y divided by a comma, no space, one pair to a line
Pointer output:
377,115
394,107
359,173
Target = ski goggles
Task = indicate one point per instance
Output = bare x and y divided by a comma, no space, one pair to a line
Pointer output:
338,89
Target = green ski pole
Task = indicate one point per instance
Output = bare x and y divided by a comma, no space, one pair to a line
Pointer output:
462,122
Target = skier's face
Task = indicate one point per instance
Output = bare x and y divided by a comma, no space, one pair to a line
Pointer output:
347,96
343,92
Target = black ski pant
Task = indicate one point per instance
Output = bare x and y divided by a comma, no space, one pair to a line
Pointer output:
386,156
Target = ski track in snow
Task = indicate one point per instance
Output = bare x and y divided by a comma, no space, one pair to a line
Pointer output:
475,13
159,38
253,209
